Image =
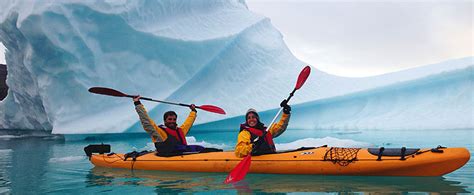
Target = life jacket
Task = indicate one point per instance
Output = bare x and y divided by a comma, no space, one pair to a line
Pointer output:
176,144
264,145
175,139
175,136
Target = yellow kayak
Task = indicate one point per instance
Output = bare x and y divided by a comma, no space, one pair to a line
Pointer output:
313,160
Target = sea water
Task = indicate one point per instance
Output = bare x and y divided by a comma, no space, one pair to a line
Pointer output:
51,165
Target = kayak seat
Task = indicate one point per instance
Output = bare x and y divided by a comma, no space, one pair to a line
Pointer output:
402,152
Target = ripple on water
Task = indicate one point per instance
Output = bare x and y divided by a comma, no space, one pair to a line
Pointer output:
5,163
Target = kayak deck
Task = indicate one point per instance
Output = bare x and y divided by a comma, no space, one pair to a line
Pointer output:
315,161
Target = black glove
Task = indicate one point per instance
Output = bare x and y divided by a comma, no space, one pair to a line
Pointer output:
192,107
285,106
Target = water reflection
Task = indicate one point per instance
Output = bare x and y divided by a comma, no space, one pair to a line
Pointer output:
24,163
177,182
163,182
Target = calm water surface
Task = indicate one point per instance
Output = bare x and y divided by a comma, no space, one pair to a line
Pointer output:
44,165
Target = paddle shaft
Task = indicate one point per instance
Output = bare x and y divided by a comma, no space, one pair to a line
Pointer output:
279,110
161,101
299,83
115,93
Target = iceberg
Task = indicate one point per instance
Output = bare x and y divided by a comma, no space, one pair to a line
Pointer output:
437,101
202,52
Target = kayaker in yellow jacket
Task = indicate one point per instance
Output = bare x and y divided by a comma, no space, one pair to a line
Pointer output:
252,129
168,138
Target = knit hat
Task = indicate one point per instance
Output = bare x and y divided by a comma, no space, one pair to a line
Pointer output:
259,125
251,110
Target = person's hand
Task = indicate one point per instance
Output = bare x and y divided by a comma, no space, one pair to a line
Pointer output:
193,107
285,106
136,98
255,140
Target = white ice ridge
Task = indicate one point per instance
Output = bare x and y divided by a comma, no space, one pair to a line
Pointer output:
203,52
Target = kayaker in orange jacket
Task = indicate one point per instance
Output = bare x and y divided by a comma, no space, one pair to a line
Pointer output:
252,129
167,137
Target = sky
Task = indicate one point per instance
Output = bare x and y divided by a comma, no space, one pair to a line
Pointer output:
358,38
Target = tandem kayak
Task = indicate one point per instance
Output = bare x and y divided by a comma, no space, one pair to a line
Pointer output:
307,160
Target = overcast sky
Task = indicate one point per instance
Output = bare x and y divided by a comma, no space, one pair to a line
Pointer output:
364,37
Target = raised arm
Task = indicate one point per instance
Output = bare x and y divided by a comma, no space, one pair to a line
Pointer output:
188,123
156,133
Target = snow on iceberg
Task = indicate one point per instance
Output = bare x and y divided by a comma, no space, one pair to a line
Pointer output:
203,52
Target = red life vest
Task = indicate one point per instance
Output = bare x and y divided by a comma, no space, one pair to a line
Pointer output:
177,135
268,146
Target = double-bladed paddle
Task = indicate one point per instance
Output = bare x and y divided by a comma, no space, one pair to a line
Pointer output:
240,171
113,92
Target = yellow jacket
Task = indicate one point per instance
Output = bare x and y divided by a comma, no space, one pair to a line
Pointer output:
157,134
244,145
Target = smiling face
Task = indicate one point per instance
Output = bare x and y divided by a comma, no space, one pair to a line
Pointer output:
170,121
252,119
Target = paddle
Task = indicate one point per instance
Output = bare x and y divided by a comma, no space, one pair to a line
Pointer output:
240,171
113,92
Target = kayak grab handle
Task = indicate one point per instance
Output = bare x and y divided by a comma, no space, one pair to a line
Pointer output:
96,148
